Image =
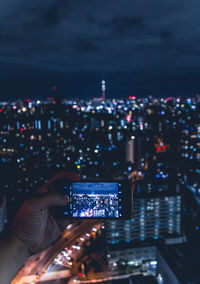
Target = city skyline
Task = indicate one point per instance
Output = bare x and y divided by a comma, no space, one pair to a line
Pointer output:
152,142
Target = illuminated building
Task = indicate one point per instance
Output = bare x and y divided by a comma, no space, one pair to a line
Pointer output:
143,261
154,217
130,150
190,143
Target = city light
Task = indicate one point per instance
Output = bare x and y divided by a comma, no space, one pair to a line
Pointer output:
153,145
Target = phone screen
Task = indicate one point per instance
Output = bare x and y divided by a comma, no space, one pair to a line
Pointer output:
94,200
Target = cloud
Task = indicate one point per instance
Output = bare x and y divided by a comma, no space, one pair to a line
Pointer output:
84,45
141,37
121,25
49,14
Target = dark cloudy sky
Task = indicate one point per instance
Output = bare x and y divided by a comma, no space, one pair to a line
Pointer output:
142,46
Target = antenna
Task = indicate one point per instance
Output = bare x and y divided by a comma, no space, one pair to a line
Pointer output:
103,88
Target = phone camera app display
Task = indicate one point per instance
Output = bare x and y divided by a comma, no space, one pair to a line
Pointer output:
96,200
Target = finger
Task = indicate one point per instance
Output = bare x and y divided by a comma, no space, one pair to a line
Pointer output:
42,189
72,176
53,230
48,200
65,175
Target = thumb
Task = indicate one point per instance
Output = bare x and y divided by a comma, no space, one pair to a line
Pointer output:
50,199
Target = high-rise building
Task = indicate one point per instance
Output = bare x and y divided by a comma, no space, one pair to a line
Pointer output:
143,261
130,155
190,143
154,217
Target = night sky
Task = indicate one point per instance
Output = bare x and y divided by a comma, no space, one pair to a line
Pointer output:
140,47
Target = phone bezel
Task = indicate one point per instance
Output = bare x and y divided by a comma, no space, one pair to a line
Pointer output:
127,201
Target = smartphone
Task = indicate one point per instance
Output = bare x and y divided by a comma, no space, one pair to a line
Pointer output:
97,200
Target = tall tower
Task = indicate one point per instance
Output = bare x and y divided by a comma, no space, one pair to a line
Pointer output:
103,88
130,144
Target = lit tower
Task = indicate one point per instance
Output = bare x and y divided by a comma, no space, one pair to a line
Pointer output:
130,145
103,88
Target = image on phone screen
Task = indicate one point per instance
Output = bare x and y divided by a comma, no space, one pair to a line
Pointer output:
94,200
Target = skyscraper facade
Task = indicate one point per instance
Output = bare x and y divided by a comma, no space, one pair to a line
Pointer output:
155,217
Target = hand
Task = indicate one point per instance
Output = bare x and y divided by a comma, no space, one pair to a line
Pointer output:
34,224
